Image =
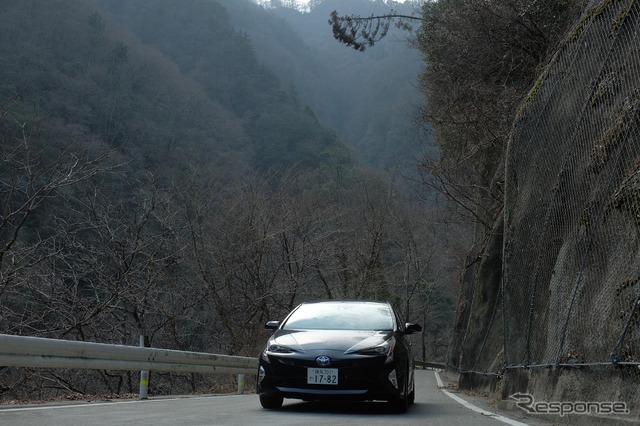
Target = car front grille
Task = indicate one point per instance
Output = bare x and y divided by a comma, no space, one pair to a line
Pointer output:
343,363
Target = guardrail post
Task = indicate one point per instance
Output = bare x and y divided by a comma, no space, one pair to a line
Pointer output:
240,384
144,375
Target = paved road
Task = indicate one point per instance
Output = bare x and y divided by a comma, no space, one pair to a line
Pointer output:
432,407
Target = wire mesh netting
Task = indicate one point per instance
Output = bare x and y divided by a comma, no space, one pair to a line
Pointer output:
570,293
571,266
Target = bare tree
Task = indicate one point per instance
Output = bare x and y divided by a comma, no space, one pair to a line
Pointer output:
29,182
362,32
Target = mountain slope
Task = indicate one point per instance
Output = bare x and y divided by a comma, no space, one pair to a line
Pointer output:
199,38
369,97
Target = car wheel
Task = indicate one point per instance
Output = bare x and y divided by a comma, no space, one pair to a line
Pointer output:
412,394
271,402
400,405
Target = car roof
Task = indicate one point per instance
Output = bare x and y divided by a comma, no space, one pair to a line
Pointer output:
345,301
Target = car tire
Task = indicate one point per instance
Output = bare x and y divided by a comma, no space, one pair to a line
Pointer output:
400,405
412,394
271,402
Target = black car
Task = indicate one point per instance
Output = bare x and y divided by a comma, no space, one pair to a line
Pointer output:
338,350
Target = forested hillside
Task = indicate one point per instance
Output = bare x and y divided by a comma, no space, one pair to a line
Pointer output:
369,98
158,179
202,42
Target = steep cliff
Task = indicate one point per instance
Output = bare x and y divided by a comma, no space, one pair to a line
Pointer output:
564,308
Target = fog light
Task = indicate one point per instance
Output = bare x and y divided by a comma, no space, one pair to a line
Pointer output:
393,379
262,373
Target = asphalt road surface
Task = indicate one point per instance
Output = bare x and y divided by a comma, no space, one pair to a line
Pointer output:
432,407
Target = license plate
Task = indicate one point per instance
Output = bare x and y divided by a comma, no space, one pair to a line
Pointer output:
322,376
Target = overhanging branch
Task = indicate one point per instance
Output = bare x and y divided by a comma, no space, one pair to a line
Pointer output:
360,33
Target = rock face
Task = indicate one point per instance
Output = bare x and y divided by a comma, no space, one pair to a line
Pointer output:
565,303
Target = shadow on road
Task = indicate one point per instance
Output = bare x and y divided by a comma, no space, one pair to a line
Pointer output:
344,407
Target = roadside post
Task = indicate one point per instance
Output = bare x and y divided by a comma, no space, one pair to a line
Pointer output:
240,384
144,375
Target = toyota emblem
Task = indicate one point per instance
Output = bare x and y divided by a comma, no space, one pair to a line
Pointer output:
323,361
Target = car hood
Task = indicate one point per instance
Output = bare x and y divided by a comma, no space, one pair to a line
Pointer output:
336,340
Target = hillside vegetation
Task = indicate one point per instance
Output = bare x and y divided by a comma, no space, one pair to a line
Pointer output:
536,110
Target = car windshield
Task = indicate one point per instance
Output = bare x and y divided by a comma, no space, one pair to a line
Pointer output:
341,316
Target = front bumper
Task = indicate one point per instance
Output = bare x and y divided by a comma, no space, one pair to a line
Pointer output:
359,378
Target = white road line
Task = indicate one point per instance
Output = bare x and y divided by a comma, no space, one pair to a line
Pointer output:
477,409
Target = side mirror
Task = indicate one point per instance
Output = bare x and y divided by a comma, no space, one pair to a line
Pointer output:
412,328
272,325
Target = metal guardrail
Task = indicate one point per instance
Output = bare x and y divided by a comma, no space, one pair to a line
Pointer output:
429,364
21,351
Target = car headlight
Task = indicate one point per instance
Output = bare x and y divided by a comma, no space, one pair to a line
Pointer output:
275,348
385,348
280,349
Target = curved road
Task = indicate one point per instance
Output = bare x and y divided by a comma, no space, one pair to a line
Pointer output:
432,407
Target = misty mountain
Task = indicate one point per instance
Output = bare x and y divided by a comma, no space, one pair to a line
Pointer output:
184,88
369,97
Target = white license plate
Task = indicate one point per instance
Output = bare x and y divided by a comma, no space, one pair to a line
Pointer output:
322,376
